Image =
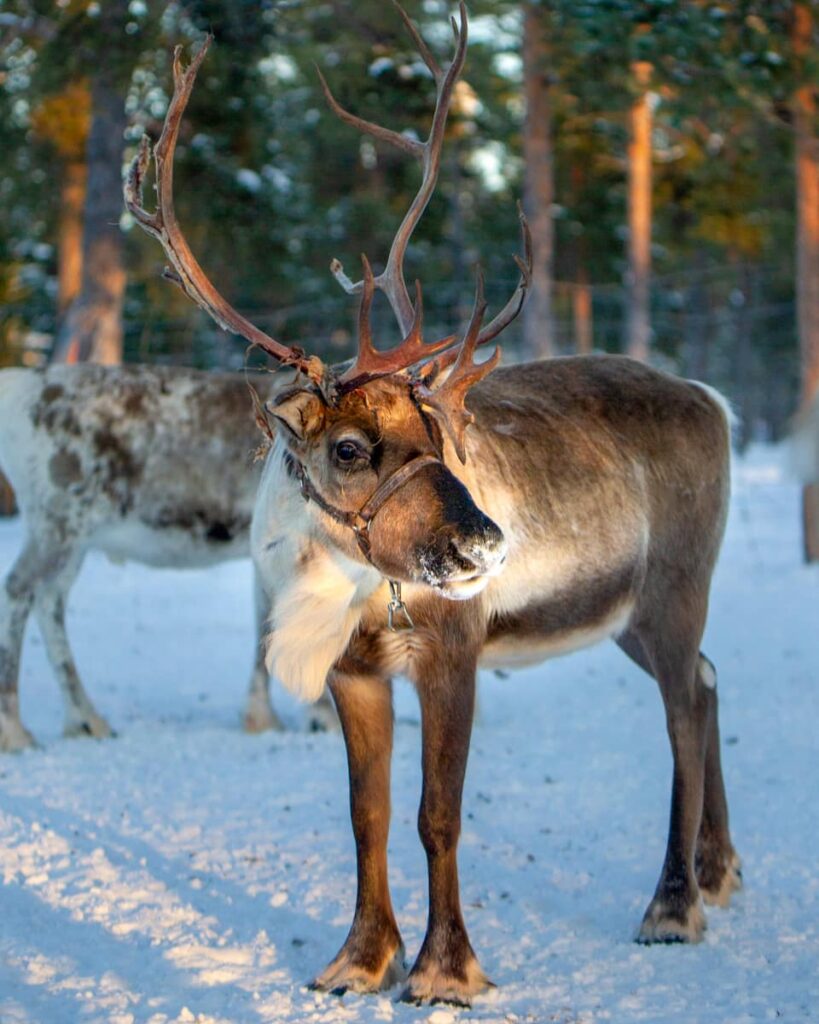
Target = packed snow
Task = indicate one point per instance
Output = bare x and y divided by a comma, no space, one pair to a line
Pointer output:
188,872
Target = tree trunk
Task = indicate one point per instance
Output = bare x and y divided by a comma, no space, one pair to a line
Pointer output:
538,317
807,253
91,330
69,261
638,277
582,310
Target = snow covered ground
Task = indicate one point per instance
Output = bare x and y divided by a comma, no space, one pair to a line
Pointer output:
187,872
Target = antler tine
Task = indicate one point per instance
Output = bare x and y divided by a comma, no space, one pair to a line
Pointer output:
366,349
506,315
404,142
370,363
418,39
467,349
391,281
447,403
162,224
518,297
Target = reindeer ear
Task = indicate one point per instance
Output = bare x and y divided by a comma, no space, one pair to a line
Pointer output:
302,412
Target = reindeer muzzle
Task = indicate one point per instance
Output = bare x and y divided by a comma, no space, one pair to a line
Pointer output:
461,559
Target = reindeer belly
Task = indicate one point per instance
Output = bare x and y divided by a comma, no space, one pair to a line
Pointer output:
579,616
202,542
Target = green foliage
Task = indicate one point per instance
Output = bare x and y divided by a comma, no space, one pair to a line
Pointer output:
270,185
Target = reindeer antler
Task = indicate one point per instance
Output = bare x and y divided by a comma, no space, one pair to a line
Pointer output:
391,281
370,363
518,297
186,271
505,316
447,403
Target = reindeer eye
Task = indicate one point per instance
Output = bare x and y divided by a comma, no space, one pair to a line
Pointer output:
347,452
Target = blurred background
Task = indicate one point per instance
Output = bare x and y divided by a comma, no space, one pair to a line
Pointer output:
666,151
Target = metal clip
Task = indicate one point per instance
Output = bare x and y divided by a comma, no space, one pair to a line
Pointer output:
396,607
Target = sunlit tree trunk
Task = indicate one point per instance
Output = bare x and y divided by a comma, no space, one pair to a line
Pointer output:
63,120
582,314
538,317
91,330
807,254
69,243
638,276
581,293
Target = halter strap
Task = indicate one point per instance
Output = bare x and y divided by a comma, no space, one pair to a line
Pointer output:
359,522
394,482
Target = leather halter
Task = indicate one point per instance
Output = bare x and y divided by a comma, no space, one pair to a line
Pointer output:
359,522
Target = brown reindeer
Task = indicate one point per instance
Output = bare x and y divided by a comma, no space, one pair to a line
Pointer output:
403,532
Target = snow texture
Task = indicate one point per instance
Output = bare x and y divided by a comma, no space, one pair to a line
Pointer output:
188,872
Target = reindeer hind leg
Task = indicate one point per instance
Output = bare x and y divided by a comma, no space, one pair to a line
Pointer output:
81,717
668,647
718,866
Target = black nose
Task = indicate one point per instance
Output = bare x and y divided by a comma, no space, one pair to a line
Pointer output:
458,552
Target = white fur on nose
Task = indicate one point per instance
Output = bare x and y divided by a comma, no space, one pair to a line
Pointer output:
487,554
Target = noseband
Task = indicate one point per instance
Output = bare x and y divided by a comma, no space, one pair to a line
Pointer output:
359,522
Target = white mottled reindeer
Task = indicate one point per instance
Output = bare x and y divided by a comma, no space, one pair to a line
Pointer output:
152,464
525,511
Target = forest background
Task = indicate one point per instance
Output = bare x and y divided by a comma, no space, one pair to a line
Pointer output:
666,151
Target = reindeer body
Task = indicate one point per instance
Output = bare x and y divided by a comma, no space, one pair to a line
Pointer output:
600,472
145,463
554,462
609,482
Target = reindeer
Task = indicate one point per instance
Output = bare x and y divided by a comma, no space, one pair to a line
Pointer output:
147,463
402,531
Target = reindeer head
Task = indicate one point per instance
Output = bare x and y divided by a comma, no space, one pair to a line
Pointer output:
367,442
370,458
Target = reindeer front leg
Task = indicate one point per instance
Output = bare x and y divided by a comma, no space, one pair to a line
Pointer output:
16,599
372,956
447,968
259,715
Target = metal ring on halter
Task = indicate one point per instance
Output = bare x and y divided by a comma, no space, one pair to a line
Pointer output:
397,608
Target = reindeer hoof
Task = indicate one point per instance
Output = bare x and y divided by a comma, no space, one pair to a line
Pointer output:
92,725
323,718
719,893
261,719
664,923
14,736
344,975
431,983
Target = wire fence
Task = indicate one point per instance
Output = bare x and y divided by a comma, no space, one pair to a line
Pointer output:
733,327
